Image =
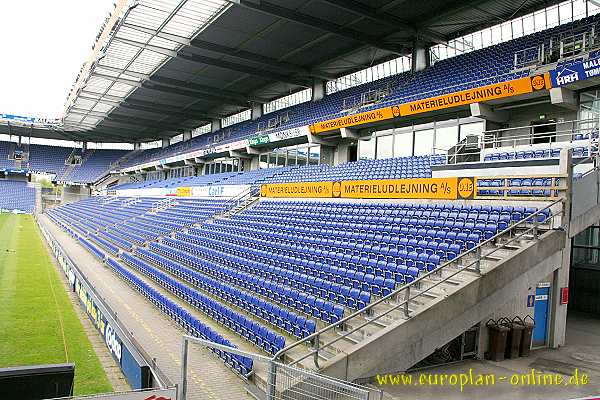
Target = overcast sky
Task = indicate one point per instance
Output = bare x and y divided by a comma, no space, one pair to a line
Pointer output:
43,45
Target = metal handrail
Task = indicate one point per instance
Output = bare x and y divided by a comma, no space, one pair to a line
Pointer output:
406,288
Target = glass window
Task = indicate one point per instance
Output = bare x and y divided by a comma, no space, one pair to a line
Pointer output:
314,155
445,138
385,146
263,161
475,128
565,11
366,149
403,144
552,16
424,142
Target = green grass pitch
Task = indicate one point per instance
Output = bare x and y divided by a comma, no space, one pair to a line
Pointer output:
38,324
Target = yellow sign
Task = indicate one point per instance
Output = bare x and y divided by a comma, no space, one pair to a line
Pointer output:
303,189
484,93
424,188
351,120
184,191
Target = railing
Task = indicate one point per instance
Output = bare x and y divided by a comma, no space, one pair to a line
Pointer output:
239,199
405,291
283,382
512,139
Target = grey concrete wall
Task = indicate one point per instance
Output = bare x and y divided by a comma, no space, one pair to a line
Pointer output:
400,346
71,194
519,117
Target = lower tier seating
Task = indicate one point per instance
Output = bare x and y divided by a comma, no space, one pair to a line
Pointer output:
280,269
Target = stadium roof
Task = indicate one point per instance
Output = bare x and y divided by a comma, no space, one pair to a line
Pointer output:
162,66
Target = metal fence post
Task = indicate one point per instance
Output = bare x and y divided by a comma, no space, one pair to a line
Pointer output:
184,357
406,301
271,380
316,356
478,260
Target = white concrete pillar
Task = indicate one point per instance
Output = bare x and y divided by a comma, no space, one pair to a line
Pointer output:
340,154
187,135
166,142
558,311
257,111
215,125
420,57
318,89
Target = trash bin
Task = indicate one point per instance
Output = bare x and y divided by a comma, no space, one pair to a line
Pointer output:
513,338
527,323
498,335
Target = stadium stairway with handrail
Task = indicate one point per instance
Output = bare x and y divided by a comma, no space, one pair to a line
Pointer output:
397,331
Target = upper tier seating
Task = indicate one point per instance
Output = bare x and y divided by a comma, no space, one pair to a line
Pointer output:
48,158
16,195
95,164
5,162
478,68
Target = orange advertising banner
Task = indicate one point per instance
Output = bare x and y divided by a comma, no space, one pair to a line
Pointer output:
485,93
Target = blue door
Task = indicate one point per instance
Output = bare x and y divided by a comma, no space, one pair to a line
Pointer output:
540,315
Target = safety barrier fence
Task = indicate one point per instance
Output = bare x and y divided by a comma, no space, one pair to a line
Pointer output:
283,382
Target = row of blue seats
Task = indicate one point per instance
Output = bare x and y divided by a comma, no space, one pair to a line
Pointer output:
283,270
241,364
377,274
105,243
225,292
513,184
532,154
459,232
450,222
273,288
250,330
229,257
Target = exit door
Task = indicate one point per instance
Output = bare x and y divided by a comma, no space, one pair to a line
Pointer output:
540,316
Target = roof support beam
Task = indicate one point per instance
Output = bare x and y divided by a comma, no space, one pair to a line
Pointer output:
145,46
237,53
381,17
225,95
196,58
215,62
189,115
445,12
308,20
163,35
126,119
191,93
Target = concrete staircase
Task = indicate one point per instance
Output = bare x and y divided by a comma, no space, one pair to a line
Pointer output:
396,332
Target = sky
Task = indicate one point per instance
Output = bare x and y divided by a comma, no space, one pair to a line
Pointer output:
44,44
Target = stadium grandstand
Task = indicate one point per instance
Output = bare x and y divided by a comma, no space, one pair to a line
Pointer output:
326,199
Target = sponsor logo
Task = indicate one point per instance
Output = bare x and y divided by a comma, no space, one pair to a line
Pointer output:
465,188
538,82
567,76
112,342
336,189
